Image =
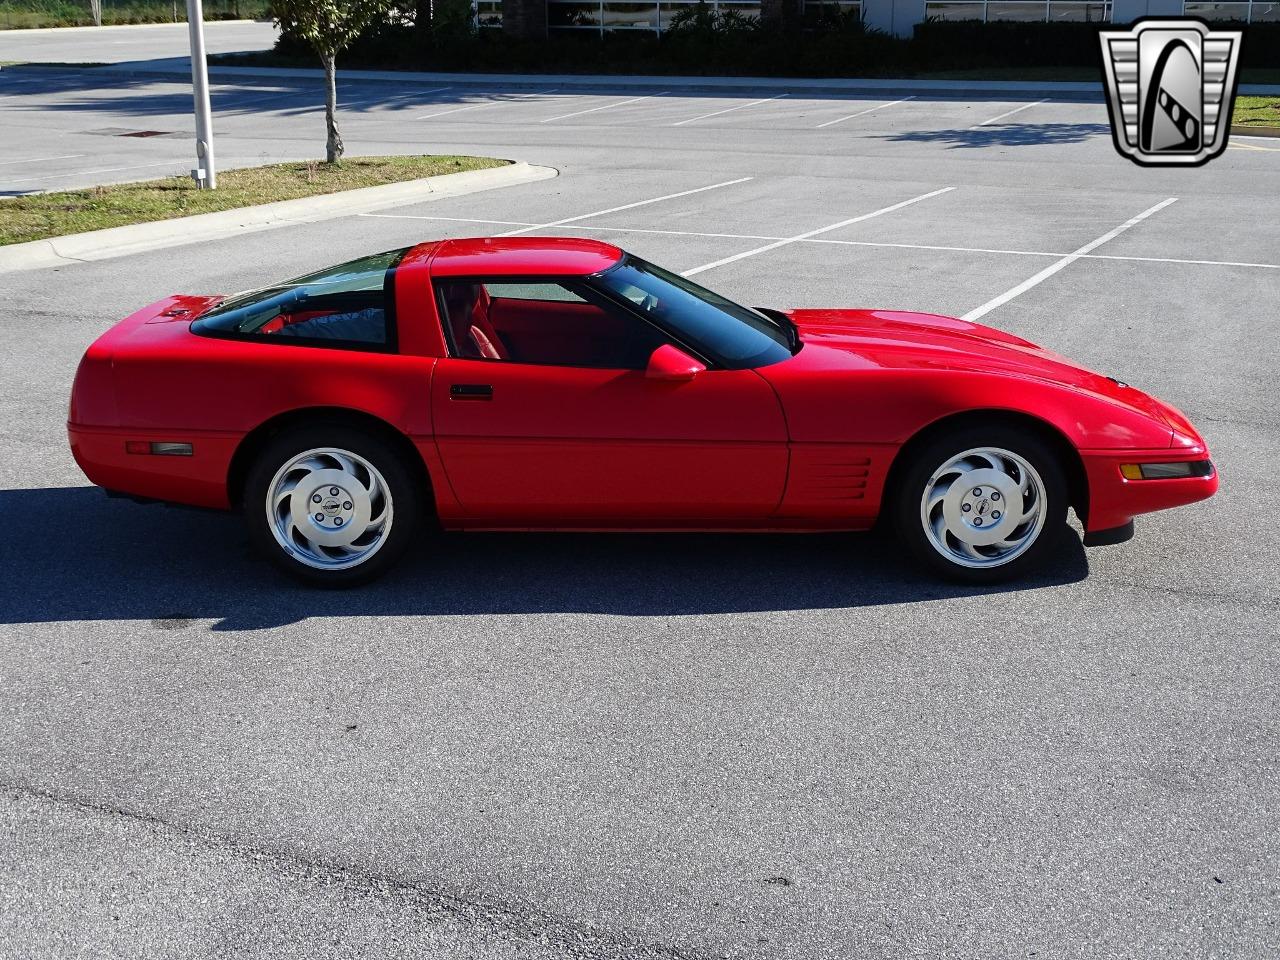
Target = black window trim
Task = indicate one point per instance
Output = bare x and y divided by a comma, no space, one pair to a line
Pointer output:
390,345
582,282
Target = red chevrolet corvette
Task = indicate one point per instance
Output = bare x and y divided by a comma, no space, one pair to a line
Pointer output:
555,384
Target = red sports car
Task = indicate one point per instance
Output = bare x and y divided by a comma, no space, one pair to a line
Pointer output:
556,384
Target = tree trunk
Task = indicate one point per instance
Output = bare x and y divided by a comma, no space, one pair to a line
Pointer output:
422,20
95,11
333,145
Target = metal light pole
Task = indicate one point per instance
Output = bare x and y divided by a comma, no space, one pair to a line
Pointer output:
205,173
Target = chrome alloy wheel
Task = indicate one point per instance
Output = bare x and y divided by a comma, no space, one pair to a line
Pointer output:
330,509
984,507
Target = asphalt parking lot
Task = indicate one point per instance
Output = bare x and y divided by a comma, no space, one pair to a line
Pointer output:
669,746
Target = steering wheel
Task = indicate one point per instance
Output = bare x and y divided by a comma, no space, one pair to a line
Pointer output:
649,304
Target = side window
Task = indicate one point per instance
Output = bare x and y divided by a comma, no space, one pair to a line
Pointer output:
349,305
542,322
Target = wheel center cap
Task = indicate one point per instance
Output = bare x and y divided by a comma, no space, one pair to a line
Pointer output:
331,507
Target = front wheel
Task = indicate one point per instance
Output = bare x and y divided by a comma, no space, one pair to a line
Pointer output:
982,505
332,506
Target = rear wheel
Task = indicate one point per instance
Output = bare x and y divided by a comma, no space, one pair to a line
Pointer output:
332,506
982,505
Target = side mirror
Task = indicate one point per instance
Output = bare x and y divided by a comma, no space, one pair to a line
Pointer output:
672,363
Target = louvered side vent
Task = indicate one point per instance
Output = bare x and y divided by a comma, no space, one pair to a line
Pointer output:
830,481
834,479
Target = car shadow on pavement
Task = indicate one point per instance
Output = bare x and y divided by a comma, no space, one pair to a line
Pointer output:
1006,135
77,555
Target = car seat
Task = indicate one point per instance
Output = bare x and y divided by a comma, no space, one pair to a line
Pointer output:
482,332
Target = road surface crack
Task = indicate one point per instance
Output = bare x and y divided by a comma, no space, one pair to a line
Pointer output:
544,929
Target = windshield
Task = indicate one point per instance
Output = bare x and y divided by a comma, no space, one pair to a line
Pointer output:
711,325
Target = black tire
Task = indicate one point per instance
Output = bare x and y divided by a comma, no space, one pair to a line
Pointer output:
400,497
917,473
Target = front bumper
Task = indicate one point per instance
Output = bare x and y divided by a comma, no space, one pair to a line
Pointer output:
1114,500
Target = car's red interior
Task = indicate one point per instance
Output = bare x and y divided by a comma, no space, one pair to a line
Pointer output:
557,332
483,336
278,323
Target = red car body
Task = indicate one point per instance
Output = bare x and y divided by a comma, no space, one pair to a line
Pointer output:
808,443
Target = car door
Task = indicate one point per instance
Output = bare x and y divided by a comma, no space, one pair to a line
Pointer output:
543,415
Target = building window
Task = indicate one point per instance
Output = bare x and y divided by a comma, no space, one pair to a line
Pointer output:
650,15
815,11
574,14
655,15
1027,11
1254,12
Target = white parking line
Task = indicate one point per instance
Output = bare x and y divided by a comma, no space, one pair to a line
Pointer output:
60,83
625,206
607,106
488,103
85,173
418,216
861,113
1069,259
741,106
1009,113
264,98
63,80
1045,253
1204,263
401,96
608,228
813,233
65,156
473,106
594,228
6,82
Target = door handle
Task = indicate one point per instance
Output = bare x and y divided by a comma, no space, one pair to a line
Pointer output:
471,391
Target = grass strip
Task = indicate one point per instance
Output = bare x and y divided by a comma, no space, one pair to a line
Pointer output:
1256,112
42,215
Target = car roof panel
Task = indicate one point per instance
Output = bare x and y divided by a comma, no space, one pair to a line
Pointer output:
523,257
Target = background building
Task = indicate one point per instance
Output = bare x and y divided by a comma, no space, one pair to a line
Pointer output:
536,18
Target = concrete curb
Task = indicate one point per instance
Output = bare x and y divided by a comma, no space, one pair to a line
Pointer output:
140,237
175,70
178,69
1241,131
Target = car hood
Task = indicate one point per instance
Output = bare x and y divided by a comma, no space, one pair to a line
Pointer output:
889,339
